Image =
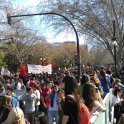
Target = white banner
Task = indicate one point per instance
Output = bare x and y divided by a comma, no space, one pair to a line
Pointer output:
37,69
34,69
47,69
5,72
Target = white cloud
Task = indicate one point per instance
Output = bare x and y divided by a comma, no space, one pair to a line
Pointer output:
21,4
30,2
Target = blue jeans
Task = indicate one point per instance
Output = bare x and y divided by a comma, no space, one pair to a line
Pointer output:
37,109
51,115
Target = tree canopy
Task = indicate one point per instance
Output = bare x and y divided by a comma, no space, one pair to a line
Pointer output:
93,18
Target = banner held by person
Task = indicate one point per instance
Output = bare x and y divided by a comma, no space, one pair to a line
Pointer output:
5,72
37,69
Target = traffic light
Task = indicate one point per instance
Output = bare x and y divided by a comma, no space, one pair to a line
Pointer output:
76,58
9,18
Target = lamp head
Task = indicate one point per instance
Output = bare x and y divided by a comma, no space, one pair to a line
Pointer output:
115,43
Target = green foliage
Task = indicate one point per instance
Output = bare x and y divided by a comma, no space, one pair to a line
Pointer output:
12,62
2,63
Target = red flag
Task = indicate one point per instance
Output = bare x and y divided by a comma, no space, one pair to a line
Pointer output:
22,71
53,64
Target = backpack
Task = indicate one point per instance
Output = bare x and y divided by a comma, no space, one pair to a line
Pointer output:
84,114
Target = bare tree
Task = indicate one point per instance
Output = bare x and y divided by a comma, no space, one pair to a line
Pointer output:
93,18
23,38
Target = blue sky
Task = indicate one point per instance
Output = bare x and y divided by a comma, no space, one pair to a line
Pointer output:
47,32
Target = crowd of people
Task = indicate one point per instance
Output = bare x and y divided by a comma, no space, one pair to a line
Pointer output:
59,98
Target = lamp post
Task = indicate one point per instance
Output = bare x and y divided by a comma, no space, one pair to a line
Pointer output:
57,14
115,48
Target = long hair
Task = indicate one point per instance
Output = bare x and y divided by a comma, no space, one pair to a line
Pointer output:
71,88
103,74
70,85
89,95
16,116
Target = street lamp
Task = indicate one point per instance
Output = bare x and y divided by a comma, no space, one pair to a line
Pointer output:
57,14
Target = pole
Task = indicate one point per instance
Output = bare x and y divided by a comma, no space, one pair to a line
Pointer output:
115,59
53,13
115,54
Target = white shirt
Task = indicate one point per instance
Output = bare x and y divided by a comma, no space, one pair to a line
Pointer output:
37,93
98,107
18,86
115,99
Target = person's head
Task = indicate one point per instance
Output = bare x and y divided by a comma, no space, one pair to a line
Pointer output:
109,72
117,91
21,81
16,116
29,90
70,85
55,88
85,79
61,94
44,86
36,87
7,81
117,81
89,95
10,90
12,80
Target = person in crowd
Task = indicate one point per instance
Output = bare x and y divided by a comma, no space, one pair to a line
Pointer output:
15,100
32,83
53,108
61,103
37,104
117,102
117,95
16,116
18,85
95,80
105,82
70,107
92,99
2,89
110,76
29,101
45,96
6,84
5,107
12,82
85,79
22,85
